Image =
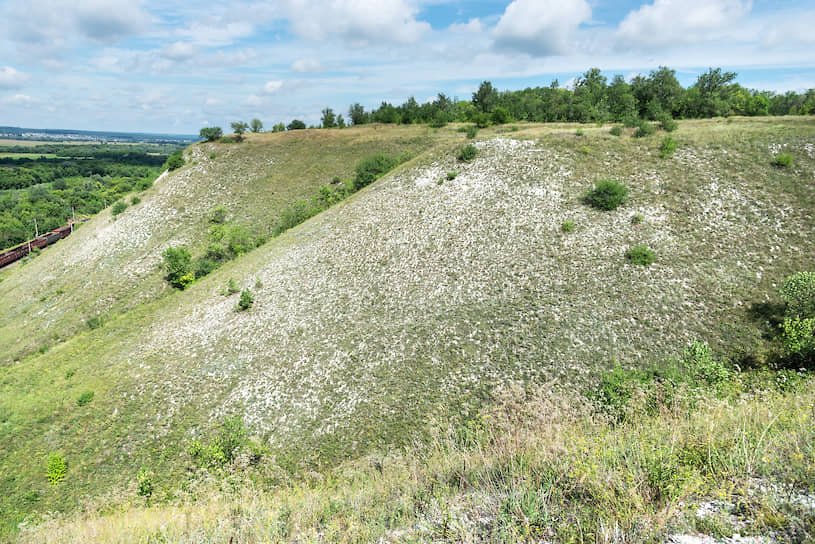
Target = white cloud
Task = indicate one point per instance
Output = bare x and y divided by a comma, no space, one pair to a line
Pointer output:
10,78
272,87
18,100
359,22
180,51
216,33
473,26
673,22
540,27
306,66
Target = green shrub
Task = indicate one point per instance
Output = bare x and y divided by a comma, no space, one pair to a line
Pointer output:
144,483
228,140
637,218
57,468
94,322
84,398
798,292
175,160
607,195
178,263
368,170
640,255
783,160
702,368
481,120
667,123
500,116
135,200
231,287
452,175
439,121
667,147
472,131
144,184
212,156
616,130
579,132
246,300
204,266
567,226
467,153
118,208
644,128
222,447
217,215
69,373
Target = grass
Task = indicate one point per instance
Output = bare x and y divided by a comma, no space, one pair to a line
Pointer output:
534,463
389,306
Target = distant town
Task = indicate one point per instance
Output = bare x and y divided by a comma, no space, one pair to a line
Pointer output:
62,135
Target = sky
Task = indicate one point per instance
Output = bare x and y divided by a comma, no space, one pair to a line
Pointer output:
175,66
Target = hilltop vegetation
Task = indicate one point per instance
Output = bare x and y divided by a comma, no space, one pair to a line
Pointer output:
414,301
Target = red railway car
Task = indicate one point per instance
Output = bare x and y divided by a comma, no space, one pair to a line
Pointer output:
18,252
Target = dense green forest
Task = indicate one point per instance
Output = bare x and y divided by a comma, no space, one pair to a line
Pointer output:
593,99
66,179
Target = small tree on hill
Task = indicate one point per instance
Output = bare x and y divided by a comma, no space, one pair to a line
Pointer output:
210,134
256,125
329,119
357,114
178,263
296,124
239,127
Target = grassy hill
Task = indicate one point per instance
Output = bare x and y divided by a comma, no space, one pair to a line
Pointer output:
410,299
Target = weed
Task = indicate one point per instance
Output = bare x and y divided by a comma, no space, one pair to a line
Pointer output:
85,398
607,195
567,226
212,156
783,160
471,131
579,132
69,373
467,153
134,200
667,147
641,255
118,208
637,218
616,130
94,322
231,287
452,175
246,300
57,468
585,149
144,483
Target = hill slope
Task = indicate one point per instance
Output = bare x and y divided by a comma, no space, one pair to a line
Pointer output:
416,294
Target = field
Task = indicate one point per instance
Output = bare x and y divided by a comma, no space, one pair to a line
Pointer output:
404,305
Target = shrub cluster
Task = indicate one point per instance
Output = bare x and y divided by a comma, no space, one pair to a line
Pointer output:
783,160
178,264
644,128
798,327
175,160
85,398
607,195
667,147
246,300
467,153
641,255
616,130
118,208
368,170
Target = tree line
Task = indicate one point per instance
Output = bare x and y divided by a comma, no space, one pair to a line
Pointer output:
592,98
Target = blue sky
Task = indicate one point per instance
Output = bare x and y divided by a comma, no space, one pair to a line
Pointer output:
176,66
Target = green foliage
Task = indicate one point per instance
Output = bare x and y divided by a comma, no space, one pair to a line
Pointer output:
328,119
452,175
567,226
94,322
667,147
641,255
616,130
296,124
57,468
702,368
135,200
439,121
210,134
501,116
485,98
231,287
783,160
644,128
578,132
246,300
637,218
667,123
223,446
217,215
472,131
239,128
798,292
228,140
118,208
178,264
607,195
798,335
175,160
144,483
85,398
467,153
368,170
256,125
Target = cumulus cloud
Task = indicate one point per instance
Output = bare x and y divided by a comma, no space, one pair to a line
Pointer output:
48,25
675,22
473,26
359,22
272,87
179,51
10,78
540,27
18,100
306,66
